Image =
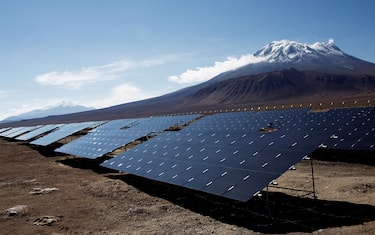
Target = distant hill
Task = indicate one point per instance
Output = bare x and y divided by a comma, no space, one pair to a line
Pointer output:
59,109
283,71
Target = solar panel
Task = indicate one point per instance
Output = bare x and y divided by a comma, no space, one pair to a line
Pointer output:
234,156
21,130
63,131
40,130
9,132
3,130
118,133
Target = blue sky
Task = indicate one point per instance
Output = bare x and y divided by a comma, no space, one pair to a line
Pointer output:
103,53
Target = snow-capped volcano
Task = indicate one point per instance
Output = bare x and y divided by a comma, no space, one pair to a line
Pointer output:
324,57
291,51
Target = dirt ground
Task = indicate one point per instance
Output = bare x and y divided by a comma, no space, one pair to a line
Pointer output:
81,198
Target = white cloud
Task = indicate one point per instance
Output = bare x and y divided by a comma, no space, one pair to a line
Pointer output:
120,94
202,74
70,80
75,80
331,41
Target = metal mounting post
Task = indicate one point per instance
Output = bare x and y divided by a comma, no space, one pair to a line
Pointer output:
312,175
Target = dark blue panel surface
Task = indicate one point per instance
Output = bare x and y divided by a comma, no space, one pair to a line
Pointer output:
248,185
226,154
115,134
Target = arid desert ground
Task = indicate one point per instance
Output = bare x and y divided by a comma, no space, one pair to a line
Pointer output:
58,194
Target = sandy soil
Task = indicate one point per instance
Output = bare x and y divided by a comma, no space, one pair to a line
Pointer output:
81,198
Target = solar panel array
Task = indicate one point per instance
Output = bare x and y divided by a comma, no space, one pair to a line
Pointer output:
63,131
226,154
118,133
234,155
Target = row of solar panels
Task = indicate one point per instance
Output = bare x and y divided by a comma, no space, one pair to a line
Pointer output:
106,136
233,155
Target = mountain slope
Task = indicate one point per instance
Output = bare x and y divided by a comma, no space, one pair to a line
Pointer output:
282,85
281,72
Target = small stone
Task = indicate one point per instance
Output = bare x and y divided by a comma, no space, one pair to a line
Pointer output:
46,220
37,191
19,210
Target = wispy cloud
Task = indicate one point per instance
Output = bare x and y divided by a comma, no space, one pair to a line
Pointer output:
71,80
201,74
75,80
123,93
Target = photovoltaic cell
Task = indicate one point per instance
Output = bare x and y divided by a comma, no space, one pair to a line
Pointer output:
233,155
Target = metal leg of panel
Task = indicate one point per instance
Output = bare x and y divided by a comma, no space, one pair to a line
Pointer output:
267,199
312,175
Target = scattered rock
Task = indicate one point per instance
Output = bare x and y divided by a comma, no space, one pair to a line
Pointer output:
5,184
37,191
16,211
46,220
29,181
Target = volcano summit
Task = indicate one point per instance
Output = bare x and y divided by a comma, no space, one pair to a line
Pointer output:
323,57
